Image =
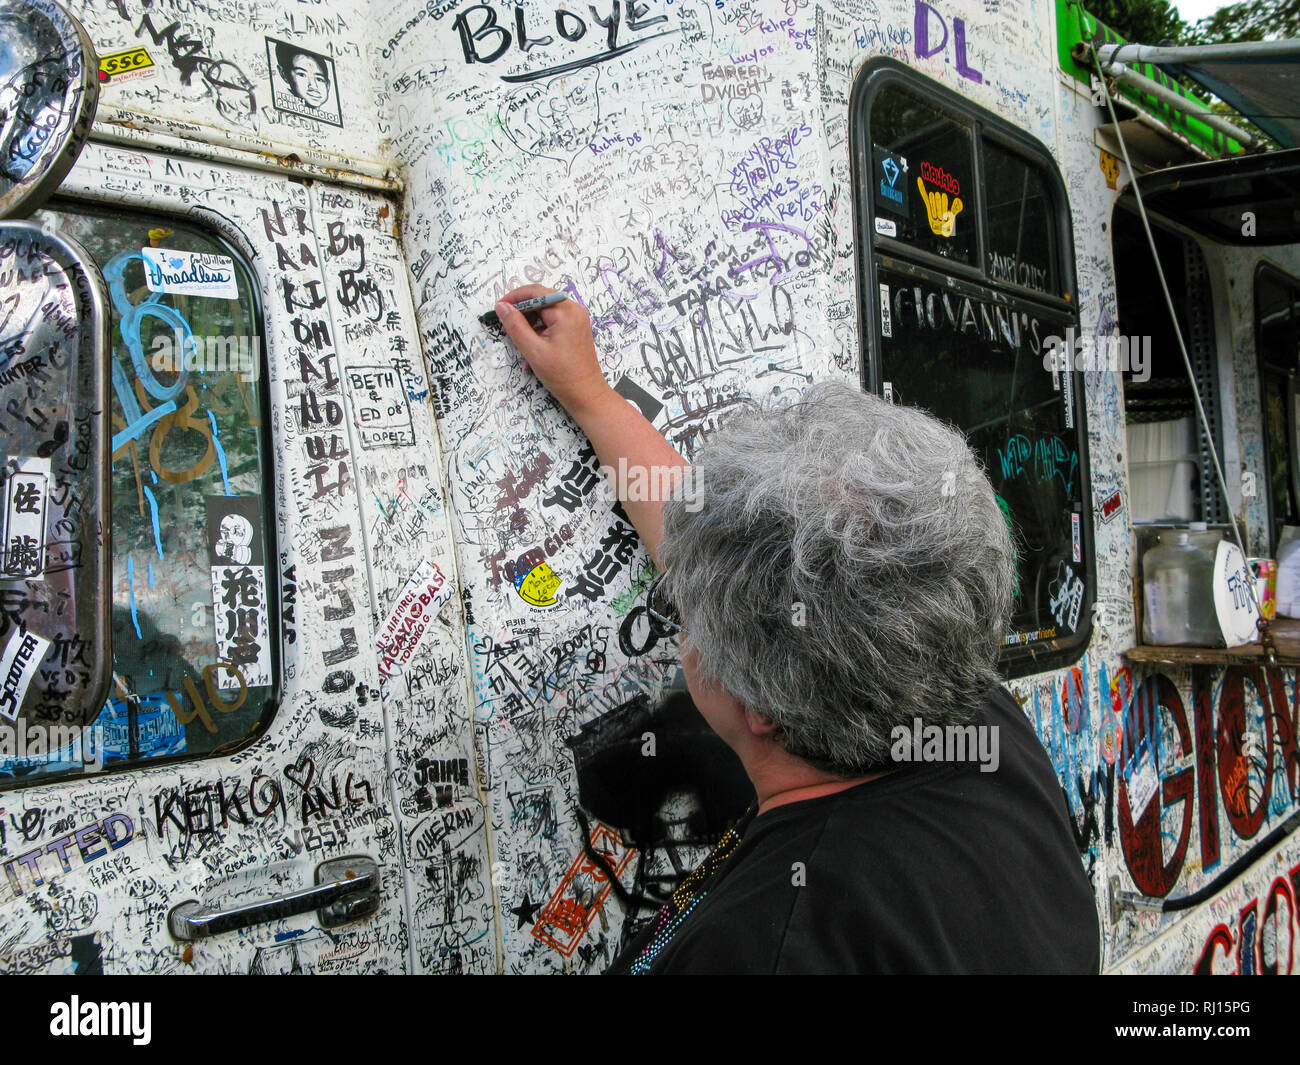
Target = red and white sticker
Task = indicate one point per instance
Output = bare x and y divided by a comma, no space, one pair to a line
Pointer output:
582,892
1110,506
419,602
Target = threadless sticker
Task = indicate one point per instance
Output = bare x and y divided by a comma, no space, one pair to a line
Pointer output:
190,273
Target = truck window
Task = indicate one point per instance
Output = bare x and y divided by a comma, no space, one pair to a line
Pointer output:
1171,473
1277,340
966,263
54,561
194,612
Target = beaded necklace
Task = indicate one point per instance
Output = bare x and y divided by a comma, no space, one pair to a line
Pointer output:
688,895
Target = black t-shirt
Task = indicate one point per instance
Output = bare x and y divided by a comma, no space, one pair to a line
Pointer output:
936,868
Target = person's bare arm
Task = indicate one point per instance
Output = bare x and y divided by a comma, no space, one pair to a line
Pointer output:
562,353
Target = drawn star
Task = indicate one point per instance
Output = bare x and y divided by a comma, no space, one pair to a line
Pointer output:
526,911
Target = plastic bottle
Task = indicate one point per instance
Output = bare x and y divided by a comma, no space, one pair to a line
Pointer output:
1178,589
1288,573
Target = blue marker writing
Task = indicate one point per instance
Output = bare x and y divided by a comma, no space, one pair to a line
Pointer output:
130,587
221,452
157,531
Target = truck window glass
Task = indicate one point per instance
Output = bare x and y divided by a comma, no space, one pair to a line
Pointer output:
195,644
1021,244
1277,339
1172,475
922,165
966,339
54,565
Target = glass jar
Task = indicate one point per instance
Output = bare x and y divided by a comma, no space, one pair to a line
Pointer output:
1178,589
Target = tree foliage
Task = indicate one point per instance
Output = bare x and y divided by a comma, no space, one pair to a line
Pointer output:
1144,21
1157,21
1251,20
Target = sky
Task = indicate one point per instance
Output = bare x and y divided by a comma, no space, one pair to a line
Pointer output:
1195,10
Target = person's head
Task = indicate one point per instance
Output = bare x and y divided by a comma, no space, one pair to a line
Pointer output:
305,74
845,568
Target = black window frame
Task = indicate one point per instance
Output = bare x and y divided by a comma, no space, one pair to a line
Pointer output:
275,622
874,250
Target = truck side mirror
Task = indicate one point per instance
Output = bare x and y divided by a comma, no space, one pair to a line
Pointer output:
55,653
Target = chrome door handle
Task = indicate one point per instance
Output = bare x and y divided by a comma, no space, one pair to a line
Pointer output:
346,889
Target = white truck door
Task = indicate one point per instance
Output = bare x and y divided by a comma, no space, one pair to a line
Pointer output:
286,620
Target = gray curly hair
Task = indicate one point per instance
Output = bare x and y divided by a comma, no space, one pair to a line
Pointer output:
845,569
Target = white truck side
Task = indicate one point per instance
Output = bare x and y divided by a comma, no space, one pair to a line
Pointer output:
684,169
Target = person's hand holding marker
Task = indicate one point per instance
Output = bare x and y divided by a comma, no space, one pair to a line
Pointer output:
557,345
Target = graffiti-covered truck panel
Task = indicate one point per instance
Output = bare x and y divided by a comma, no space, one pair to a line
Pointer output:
452,629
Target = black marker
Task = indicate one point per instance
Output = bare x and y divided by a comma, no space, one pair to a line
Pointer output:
491,319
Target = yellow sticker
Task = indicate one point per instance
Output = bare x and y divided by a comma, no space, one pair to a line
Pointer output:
539,586
1110,167
121,66
942,218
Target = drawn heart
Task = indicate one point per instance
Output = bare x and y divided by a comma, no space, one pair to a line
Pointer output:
555,119
301,773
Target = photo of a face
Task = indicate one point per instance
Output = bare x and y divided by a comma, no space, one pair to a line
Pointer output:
303,82
308,79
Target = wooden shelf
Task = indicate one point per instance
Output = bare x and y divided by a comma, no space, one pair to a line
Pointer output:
1286,636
